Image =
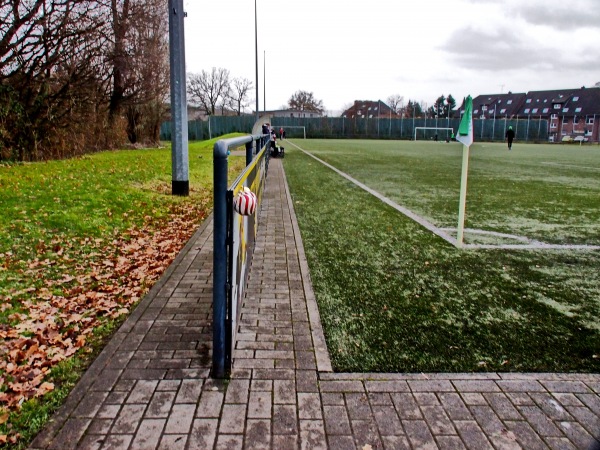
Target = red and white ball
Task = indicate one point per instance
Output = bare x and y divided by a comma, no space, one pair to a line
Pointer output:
245,202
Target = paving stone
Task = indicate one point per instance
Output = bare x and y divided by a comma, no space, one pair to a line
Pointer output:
454,406
386,386
230,442
521,386
472,435
560,444
161,404
406,406
284,419
148,434
365,433
426,399
476,386
232,419
431,386
128,419
341,386
340,442
380,398
336,420
306,381
258,434
358,406
502,406
566,386
210,404
395,443
539,421
586,418
173,442
284,391
312,435
333,398
419,435
203,434
237,391
117,442
286,441
525,435
259,405
189,392
387,420
473,398
70,434
309,406
180,419
438,421
450,443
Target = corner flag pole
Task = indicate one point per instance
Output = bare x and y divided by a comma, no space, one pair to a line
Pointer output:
465,136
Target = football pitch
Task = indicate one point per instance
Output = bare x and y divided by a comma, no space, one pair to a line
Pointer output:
395,294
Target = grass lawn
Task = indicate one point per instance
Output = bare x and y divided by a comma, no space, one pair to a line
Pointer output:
395,297
81,241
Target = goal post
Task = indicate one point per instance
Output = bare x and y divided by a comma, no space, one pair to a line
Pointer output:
303,128
435,131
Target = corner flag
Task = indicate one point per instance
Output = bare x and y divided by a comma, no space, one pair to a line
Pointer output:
465,129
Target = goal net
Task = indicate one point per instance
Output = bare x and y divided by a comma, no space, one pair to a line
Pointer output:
433,133
292,131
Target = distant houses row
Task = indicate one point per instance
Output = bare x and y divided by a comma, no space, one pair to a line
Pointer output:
570,112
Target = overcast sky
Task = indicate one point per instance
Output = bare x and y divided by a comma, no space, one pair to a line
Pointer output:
346,50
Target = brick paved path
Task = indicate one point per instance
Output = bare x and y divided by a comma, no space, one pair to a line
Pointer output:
150,388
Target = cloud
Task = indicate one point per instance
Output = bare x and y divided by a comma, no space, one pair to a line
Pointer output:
492,50
574,14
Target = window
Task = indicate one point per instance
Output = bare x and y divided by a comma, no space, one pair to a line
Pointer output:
557,106
369,108
545,100
509,102
528,100
565,120
565,109
553,125
554,116
534,110
588,132
590,121
484,108
575,99
578,109
370,116
545,110
503,110
476,111
526,111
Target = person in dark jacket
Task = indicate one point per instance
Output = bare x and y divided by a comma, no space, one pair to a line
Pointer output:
510,135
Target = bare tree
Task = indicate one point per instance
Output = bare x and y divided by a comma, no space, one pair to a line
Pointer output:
148,70
238,94
208,89
305,101
50,54
396,102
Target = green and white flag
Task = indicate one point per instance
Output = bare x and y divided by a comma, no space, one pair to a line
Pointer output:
465,129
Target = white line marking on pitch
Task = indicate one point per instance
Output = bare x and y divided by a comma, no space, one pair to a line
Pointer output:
570,165
441,232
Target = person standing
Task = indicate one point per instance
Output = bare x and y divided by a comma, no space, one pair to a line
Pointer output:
510,135
281,133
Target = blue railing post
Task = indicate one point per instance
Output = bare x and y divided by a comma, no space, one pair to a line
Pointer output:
219,258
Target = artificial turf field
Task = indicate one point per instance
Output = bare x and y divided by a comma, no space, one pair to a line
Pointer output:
393,296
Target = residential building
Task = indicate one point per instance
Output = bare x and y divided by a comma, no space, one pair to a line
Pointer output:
369,109
571,113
